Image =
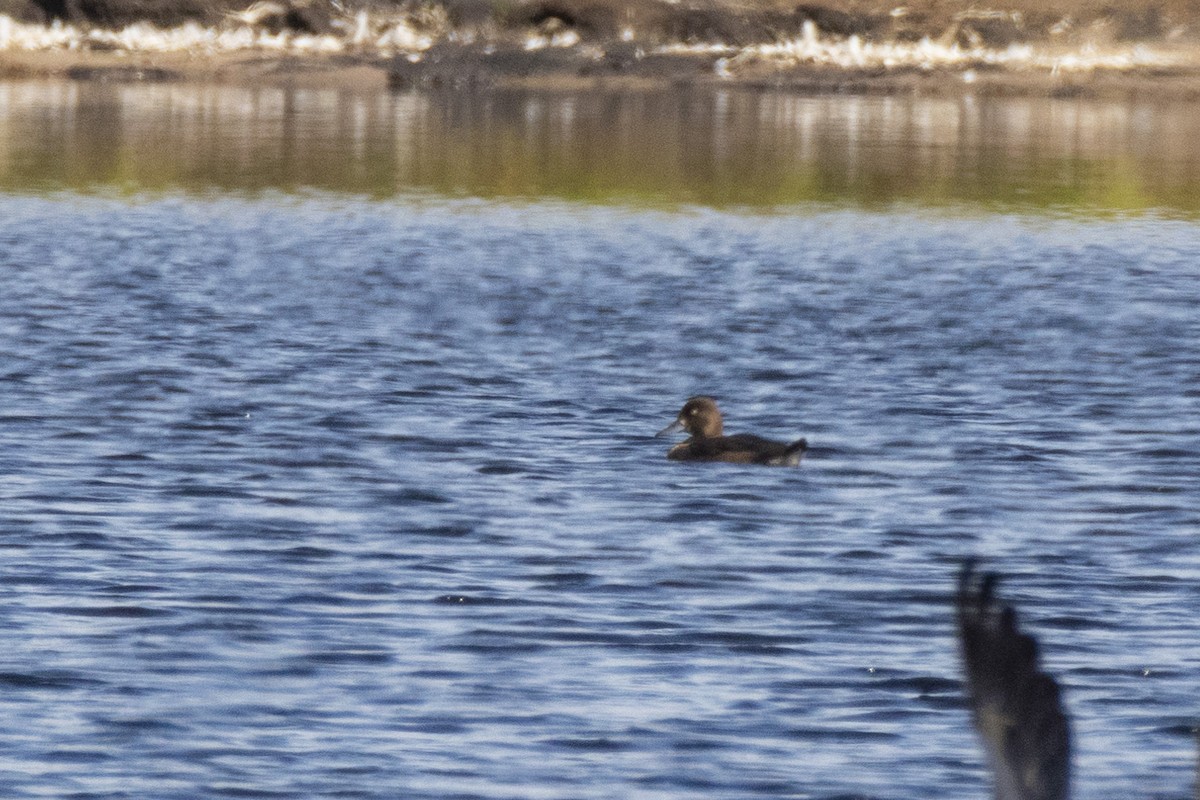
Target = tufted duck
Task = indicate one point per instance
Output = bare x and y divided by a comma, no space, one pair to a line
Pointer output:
701,419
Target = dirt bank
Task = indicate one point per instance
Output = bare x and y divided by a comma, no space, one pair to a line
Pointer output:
1072,47
736,22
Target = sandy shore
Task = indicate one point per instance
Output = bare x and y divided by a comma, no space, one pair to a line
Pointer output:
1146,51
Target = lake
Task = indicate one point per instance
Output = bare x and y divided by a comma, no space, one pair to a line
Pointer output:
329,456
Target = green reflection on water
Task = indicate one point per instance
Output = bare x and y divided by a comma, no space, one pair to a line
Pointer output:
676,147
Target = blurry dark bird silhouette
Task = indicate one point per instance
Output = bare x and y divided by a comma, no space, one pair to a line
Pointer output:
1016,707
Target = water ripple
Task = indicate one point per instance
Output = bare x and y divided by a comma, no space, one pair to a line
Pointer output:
332,498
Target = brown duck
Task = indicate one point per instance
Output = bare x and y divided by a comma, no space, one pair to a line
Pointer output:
701,419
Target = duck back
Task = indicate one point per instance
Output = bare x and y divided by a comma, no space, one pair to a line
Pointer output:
741,448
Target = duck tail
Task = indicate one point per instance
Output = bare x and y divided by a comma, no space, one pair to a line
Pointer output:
797,448
794,452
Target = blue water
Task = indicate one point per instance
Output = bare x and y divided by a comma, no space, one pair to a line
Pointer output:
330,498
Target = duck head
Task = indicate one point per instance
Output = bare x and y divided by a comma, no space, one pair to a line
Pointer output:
699,416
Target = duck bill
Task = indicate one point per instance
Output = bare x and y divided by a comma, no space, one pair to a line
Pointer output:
674,427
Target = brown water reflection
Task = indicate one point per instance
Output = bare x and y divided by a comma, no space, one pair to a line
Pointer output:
680,146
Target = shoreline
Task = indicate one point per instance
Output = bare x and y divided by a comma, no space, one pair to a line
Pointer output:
467,69
400,53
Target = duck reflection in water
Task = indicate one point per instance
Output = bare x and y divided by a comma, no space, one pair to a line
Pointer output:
701,419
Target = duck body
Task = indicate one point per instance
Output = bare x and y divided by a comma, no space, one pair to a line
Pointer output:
701,418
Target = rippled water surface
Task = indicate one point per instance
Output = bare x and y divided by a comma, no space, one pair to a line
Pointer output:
319,496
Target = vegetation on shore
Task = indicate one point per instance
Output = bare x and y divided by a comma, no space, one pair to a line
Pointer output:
843,44
736,22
